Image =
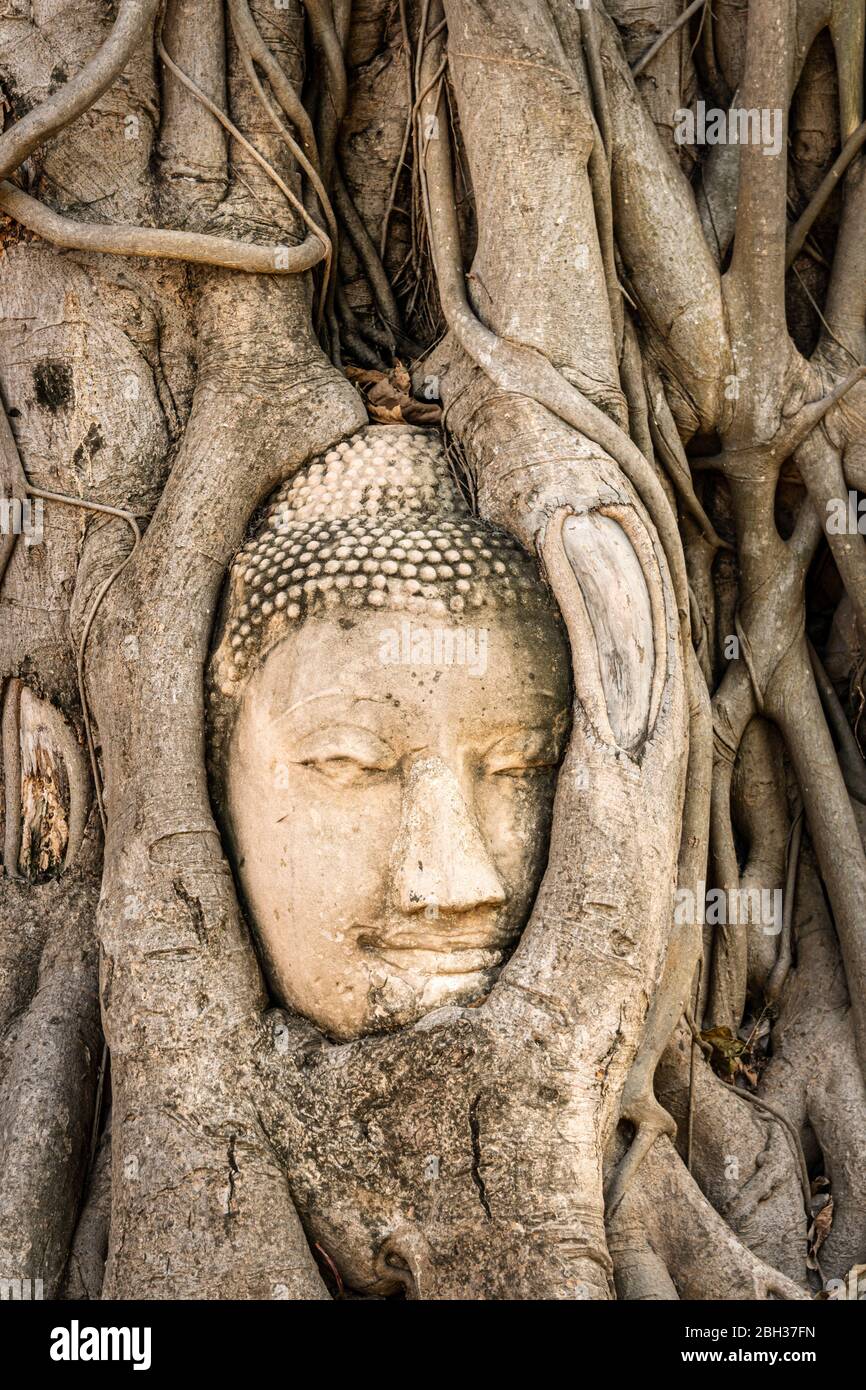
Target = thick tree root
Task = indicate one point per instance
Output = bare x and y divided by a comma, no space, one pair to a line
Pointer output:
666,1213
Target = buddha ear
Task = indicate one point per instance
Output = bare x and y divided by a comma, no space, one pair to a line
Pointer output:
605,574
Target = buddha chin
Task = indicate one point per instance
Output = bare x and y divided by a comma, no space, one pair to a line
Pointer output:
387,783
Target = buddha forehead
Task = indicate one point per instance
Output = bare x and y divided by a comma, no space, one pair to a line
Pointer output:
378,524
408,676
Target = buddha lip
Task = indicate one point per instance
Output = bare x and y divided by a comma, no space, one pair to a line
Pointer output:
486,940
436,948
441,960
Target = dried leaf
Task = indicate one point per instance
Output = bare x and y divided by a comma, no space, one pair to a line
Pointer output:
823,1223
363,376
420,412
388,415
819,1230
388,396
727,1050
384,393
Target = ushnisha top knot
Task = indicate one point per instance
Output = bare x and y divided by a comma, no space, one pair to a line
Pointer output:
378,521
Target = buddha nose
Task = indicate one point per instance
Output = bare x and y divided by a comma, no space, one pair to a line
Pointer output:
440,860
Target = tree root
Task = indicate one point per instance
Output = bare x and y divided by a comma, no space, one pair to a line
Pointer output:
639,1105
666,1211
199,248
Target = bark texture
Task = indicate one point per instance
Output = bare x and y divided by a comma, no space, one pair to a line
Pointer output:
234,232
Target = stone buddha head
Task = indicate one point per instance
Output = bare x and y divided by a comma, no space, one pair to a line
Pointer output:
388,702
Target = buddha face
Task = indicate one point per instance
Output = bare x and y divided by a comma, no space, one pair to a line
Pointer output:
389,808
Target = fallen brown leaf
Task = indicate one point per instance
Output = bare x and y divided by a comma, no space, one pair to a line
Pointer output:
819,1231
388,396
387,414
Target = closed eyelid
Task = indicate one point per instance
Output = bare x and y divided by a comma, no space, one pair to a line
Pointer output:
532,745
344,741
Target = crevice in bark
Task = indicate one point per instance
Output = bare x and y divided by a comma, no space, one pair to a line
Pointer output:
475,1131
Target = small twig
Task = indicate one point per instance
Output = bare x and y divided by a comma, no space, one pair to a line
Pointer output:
779,972
332,1267
807,219
437,29
98,1104
662,39
817,308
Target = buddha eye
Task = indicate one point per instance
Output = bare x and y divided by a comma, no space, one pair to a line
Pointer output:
527,754
523,770
346,755
343,771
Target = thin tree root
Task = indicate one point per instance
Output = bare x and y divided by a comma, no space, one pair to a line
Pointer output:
199,248
646,58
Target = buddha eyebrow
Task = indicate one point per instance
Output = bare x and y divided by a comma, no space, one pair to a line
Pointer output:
327,694
317,695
